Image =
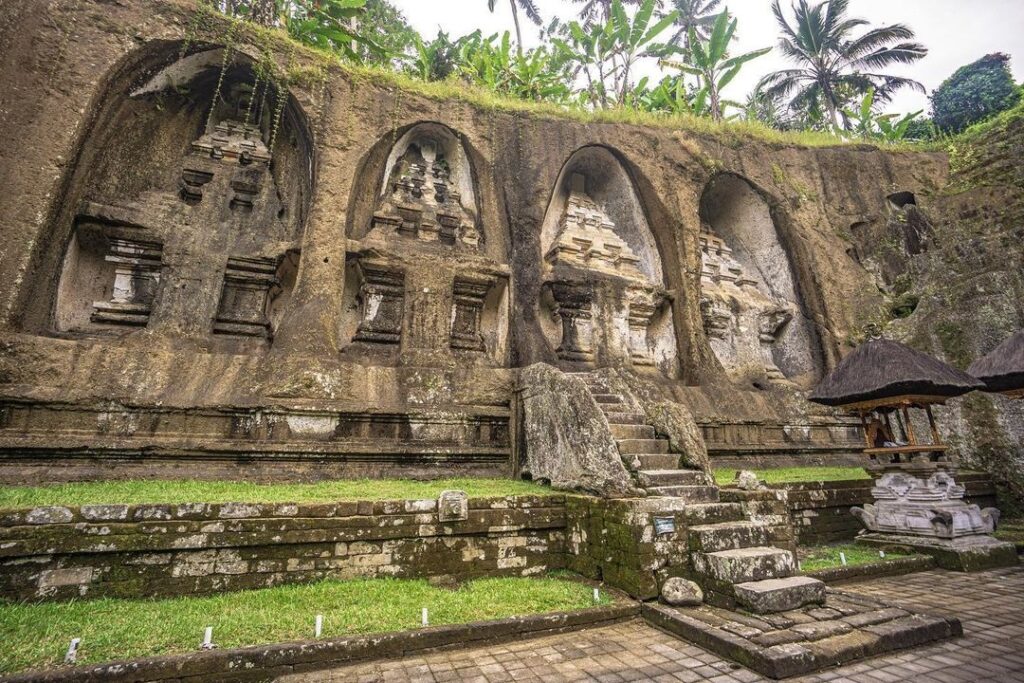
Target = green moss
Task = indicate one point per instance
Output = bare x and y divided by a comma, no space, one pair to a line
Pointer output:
36,635
796,475
955,344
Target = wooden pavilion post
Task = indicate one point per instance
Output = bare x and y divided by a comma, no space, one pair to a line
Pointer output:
931,422
908,426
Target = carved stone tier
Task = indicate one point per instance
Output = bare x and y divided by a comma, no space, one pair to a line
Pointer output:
424,202
233,141
587,238
382,296
136,277
467,310
243,300
574,307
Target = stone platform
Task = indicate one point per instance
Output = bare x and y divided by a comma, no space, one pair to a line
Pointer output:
964,554
849,627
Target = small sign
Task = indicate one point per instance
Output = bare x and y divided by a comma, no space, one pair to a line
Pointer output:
664,525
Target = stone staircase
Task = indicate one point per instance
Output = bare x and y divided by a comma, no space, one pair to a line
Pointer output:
732,556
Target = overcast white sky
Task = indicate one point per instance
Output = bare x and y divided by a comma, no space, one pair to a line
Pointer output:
956,32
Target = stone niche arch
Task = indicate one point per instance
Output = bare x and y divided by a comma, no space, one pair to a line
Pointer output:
427,279
183,213
754,313
604,299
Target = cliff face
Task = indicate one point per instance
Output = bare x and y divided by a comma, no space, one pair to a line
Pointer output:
967,279
383,250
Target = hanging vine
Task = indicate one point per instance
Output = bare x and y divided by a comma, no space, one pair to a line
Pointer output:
229,48
282,95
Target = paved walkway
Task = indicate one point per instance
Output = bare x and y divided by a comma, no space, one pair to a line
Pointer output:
990,605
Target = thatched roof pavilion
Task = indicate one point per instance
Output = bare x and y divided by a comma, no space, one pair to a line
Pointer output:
1002,370
879,370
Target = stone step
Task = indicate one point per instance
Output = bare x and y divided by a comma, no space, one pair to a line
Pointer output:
780,595
713,513
654,461
743,565
710,538
607,399
631,446
672,477
623,418
632,431
691,494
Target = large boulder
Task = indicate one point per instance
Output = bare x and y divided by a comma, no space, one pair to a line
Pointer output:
566,436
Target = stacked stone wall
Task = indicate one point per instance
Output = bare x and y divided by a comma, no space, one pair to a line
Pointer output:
161,550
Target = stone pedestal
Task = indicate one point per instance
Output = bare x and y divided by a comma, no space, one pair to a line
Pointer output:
575,309
931,516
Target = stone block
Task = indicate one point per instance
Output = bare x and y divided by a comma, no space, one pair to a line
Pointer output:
680,592
49,515
74,576
104,513
780,595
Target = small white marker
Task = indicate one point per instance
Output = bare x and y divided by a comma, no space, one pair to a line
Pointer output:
319,625
597,595
208,639
881,553
72,654
798,567
426,619
842,557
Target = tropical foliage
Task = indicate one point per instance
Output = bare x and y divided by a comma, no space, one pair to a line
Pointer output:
603,58
974,93
835,65
711,64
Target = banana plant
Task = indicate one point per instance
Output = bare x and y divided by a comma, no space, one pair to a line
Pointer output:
710,62
864,123
633,38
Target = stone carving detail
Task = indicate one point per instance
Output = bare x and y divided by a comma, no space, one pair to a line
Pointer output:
742,322
643,304
453,506
382,297
574,308
587,237
243,302
467,311
233,141
424,202
932,507
136,277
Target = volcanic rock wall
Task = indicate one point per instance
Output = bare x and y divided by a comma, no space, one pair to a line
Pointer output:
340,276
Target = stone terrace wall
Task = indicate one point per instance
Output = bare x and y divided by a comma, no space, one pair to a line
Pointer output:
821,510
160,550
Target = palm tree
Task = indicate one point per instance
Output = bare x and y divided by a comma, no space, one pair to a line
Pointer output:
698,15
531,11
834,65
601,10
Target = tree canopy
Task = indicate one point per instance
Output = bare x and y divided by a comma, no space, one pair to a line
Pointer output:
974,93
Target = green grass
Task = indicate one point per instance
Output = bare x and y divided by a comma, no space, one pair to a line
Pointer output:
134,492
797,475
37,635
827,556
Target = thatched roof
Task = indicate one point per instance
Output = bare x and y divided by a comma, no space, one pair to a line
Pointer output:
1003,368
881,369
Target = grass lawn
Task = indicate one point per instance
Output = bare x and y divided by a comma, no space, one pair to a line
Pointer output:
827,556
132,492
797,475
37,635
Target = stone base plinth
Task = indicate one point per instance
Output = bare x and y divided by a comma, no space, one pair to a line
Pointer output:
800,641
964,554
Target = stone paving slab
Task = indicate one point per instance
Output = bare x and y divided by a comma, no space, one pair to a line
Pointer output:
989,604
795,642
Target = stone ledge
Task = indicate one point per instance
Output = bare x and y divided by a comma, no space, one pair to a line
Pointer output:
964,554
263,662
847,628
873,570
